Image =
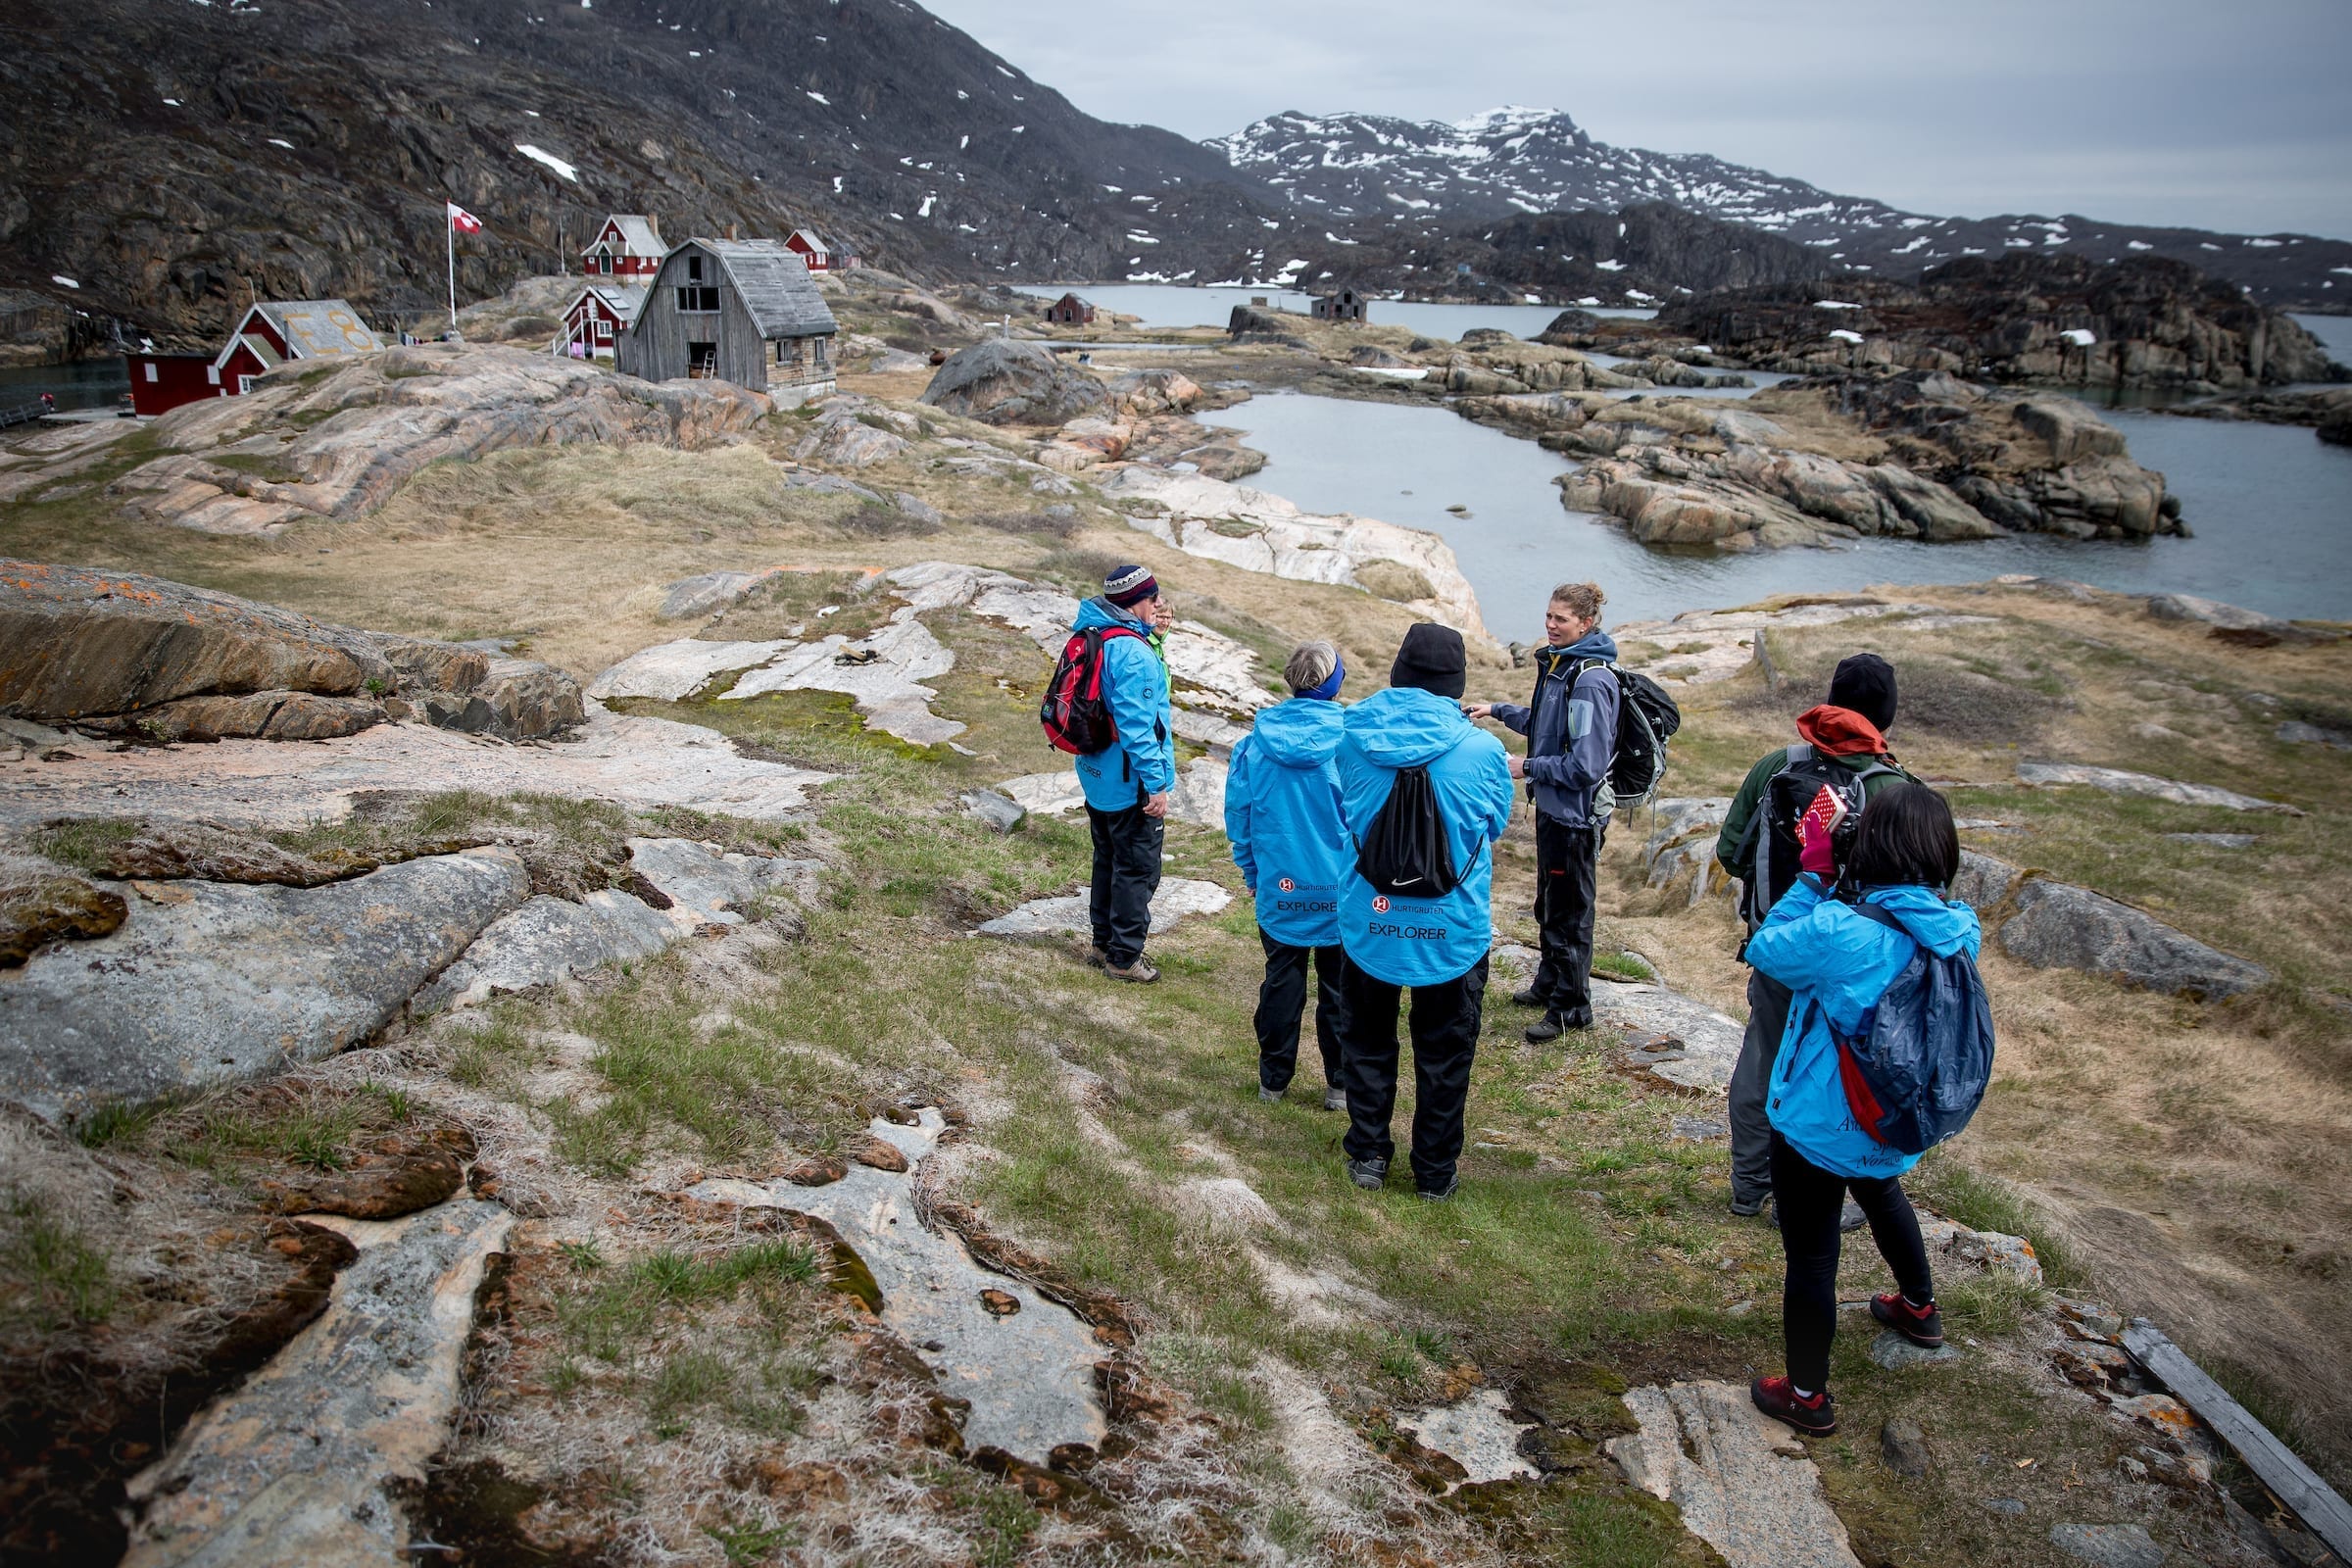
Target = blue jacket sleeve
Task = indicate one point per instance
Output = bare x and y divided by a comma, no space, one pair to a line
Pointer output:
1501,795
1591,736
1139,707
1512,716
1237,814
1808,939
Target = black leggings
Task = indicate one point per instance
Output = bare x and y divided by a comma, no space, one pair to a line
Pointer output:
1808,1200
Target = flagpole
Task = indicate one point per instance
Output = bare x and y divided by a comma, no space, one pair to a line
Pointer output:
451,224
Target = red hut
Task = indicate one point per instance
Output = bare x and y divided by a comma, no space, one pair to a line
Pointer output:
273,332
595,320
166,374
1070,310
810,246
628,245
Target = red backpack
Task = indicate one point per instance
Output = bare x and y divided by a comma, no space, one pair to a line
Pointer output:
1075,717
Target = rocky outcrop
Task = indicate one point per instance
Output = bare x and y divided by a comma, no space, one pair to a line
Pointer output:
1920,457
1066,916
156,661
336,441
2062,926
1264,532
2119,782
1003,381
2144,322
207,983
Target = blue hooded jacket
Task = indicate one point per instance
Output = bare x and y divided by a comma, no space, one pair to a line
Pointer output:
1283,814
1839,964
1571,731
1142,761
1417,942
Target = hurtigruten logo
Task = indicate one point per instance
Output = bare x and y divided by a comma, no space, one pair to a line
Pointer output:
1380,903
1286,885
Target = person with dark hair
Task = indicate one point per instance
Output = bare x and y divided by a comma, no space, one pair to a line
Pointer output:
1283,817
1571,730
1842,748
1415,732
1836,962
1127,782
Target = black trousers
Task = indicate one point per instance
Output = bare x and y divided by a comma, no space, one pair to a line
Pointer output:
1752,1082
1809,1200
1445,1024
1127,846
1279,1000
1567,881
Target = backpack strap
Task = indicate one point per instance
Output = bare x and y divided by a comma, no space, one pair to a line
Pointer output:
1884,917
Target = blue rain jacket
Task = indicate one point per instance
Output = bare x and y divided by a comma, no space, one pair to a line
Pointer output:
1283,814
1416,942
1142,762
1571,731
1838,962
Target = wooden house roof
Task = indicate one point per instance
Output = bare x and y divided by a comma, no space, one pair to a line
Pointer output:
309,327
812,239
621,299
773,284
642,234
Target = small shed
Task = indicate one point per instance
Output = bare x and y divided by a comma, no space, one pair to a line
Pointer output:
628,245
595,320
1341,305
810,246
1070,310
165,375
743,311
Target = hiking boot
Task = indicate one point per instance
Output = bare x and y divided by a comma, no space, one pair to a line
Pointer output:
1529,997
1140,972
1816,1417
1369,1174
1440,1194
1335,1098
1577,1019
1545,1029
1922,1326
1269,1097
1096,957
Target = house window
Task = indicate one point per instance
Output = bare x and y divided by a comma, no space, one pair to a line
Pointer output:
702,360
819,345
693,269
151,372
698,297
244,383
603,264
211,375
604,332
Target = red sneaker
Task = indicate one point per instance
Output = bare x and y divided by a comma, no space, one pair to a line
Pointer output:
1920,1325
1816,1417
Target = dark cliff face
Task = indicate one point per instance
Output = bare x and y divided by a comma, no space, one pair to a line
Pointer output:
2149,323
176,159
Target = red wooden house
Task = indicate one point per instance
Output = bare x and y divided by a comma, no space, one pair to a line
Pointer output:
595,320
810,246
272,332
1070,310
628,245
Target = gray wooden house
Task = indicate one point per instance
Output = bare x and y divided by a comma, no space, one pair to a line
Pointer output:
1339,305
744,310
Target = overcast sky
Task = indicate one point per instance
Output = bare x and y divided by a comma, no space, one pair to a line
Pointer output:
2229,115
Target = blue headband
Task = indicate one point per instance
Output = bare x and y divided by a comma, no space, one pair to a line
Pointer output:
1330,683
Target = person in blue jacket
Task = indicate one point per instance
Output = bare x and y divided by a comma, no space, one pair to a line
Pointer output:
1571,730
1436,947
1127,782
1281,815
1836,964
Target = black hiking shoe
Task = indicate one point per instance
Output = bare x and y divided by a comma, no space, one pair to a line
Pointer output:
1440,1194
1816,1417
1545,1029
1335,1098
1922,1326
1529,997
1369,1174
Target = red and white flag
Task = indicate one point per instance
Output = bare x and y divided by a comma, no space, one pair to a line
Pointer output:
463,222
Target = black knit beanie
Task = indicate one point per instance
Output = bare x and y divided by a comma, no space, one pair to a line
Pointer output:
1431,659
1865,684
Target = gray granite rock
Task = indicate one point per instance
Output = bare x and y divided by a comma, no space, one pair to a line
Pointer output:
2216,841
2059,926
2108,1546
2297,733
2116,781
1679,1041
518,699
545,941
706,593
1177,898
302,1465
1006,382
2212,612
996,812
712,887
1741,1481
207,983
1983,882
1904,1449
1897,1353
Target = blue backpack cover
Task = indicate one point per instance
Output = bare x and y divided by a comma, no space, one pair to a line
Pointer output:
1916,1070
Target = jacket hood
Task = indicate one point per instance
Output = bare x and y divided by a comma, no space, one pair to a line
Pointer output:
1100,611
1302,732
1406,728
1941,928
1595,643
1840,732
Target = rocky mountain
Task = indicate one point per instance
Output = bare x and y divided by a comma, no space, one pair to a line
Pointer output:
177,158
1347,168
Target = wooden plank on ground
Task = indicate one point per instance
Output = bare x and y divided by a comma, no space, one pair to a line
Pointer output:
2314,1502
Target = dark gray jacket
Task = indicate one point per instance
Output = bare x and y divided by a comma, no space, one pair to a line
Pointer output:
1571,730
